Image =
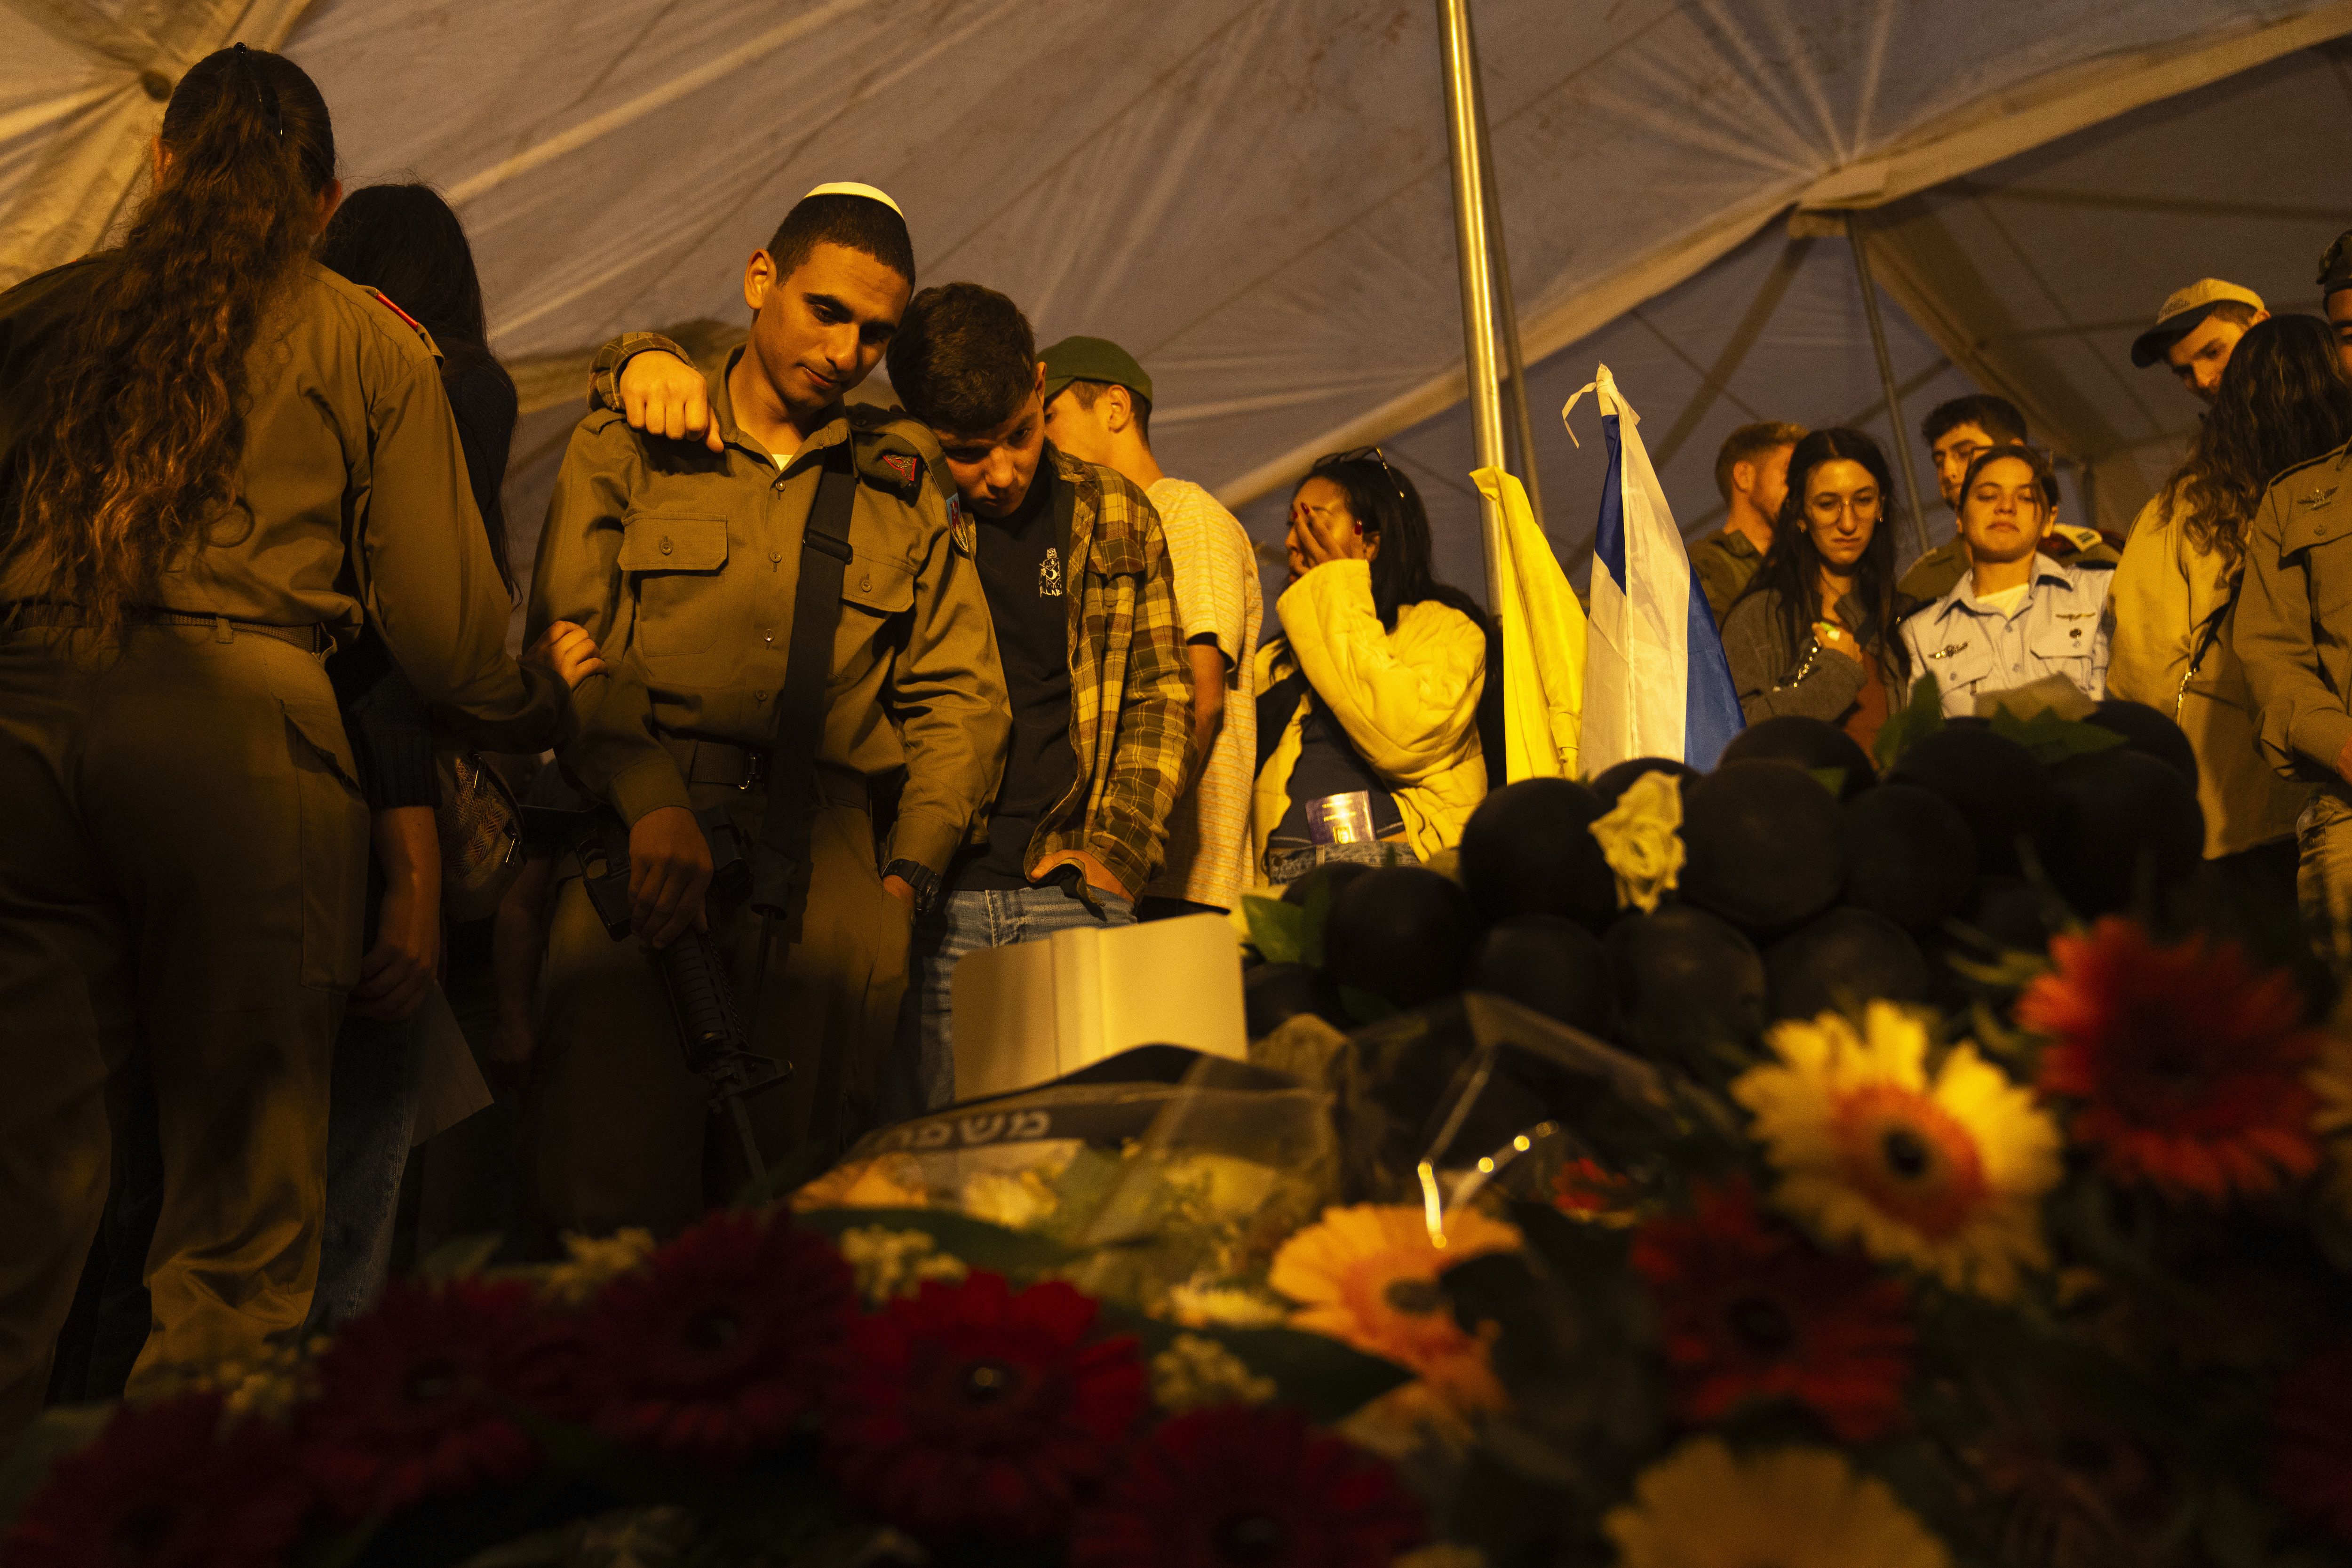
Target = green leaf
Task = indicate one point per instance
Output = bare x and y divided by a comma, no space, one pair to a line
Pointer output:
1366,1006
459,1257
1829,779
1320,1376
1921,715
338,1547
1277,930
977,1242
2052,739
1317,917
55,1433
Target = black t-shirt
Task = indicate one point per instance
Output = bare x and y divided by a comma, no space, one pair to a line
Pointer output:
1328,763
1025,569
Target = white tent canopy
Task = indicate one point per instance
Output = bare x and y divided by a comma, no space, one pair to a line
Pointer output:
1253,195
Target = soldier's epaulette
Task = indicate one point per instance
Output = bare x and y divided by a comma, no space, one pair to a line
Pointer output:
385,299
2285,474
895,450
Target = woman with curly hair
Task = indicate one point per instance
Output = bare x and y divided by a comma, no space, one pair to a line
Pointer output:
2282,400
1814,632
218,461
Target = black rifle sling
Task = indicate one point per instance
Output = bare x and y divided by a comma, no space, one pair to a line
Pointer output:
780,878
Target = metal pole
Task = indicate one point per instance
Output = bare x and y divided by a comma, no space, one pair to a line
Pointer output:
1887,375
1470,228
1515,391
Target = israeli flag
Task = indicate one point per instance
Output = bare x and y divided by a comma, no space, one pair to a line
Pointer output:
1656,681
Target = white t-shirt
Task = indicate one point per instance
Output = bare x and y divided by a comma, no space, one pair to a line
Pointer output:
2007,600
1217,595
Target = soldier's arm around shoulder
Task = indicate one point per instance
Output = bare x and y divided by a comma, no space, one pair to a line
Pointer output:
657,386
431,589
947,689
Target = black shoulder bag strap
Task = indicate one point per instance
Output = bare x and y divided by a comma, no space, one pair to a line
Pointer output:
779,874
2208,635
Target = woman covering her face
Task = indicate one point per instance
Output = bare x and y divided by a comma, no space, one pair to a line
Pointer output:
1367,718
1814,633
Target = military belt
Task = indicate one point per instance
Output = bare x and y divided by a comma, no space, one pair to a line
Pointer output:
311,638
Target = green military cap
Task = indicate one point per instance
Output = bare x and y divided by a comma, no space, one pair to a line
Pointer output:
1093,359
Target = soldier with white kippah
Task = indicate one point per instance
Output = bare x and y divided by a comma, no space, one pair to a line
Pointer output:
697,527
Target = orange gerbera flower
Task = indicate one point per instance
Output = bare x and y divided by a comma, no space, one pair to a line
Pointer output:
1366,1275
2189,1067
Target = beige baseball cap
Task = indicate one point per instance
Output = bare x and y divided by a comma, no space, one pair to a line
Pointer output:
2181,312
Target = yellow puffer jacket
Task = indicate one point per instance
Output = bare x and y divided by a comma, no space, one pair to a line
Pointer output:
1408,699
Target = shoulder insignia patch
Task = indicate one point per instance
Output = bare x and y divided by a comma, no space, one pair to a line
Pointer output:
902,464
413,324
959,528
385,301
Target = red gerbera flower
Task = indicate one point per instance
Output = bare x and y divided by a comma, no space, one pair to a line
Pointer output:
418,1398
1234,1486
1750,1309
974,1408
164,1487
724,1342
2188,1064
2311,1440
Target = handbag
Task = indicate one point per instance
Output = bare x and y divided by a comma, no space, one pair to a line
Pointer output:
481,826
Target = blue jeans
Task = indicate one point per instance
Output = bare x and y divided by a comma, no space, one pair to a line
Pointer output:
379,1073
922,1067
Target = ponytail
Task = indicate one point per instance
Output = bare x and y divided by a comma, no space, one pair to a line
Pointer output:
136,448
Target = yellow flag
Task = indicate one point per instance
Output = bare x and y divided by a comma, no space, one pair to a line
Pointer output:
1543,644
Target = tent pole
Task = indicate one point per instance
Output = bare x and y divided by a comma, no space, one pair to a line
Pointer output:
1887,374
1515,390
1465,132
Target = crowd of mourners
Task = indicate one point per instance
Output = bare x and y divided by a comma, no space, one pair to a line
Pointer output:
948,674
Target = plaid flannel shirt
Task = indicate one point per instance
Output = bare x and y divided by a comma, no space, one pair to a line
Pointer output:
1130,687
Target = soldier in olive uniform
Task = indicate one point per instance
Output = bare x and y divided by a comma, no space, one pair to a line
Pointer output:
684,556
2293,631
184,854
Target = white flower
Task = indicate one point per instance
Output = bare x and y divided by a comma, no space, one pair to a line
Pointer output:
1199,1305
890,1263
1194,1371
1014,1201
1641,837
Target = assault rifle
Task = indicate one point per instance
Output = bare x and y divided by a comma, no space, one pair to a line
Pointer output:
701,1002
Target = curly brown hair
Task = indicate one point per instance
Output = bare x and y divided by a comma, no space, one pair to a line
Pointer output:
2284,400
134,452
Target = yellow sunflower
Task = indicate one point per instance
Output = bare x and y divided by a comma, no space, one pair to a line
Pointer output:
2331,1081
1946,1176
1366,1275
1705,1507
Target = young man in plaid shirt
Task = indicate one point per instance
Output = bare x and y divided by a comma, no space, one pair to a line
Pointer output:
1078,583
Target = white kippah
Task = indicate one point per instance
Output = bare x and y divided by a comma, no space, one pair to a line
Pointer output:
852,189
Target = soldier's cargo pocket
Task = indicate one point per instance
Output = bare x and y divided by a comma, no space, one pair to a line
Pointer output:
2319,535
675,561
2066,645
331,836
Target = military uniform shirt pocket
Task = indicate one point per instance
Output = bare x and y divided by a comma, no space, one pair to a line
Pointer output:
675,562
877,585
2318,534
2067,644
